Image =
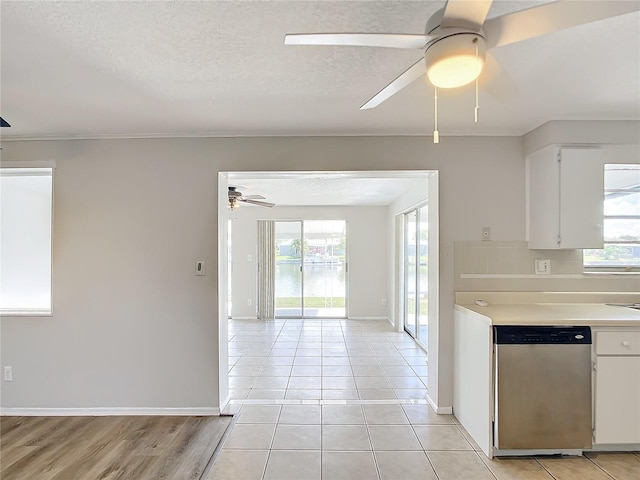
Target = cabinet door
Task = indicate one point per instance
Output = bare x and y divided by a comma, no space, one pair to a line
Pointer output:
581,198
617,400
543,198
565,197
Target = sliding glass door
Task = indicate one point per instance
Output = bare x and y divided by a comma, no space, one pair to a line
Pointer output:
324,272
288,282
422,274
311,277
410,278
416,261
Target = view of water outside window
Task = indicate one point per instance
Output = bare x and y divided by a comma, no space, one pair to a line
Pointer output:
311,268
621,219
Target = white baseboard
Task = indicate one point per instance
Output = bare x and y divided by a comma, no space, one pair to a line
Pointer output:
369,318
224,404
439,410
313,318
109,411
615,447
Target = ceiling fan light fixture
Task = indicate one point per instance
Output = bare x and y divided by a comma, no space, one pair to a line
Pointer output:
456,60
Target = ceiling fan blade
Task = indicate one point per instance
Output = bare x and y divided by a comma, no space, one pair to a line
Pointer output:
389,40
253,197
551,17
414,72
465,13
256,202
496,82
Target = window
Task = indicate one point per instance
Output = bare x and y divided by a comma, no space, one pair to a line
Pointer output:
621,220
25,240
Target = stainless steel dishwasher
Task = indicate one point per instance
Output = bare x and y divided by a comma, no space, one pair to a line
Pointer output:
543,388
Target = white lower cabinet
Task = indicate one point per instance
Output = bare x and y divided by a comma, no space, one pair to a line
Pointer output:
617,387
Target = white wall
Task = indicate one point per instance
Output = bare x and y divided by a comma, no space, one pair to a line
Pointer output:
132,325
367,254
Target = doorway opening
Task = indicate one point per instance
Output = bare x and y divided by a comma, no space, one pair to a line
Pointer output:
311,269
374,270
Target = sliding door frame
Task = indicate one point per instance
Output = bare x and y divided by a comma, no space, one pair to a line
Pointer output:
302,269
415,281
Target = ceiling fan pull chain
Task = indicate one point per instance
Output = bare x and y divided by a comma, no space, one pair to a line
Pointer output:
436,134
475,111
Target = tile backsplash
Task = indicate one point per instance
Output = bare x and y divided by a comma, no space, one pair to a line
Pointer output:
510,266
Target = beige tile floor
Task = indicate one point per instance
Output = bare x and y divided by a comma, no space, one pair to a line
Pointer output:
346,399
324,360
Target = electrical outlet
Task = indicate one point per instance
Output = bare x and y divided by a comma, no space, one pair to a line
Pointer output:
249,301
543,267
8,374
383,301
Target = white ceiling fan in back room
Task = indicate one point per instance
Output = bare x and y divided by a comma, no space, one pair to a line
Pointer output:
236,198
458,37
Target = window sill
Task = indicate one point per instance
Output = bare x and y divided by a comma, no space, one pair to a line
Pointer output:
26,313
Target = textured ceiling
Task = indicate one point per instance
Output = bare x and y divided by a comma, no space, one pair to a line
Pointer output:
328,188
91,69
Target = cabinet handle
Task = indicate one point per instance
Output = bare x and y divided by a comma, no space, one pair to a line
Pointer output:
625,343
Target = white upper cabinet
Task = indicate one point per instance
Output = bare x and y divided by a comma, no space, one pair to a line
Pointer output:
565,197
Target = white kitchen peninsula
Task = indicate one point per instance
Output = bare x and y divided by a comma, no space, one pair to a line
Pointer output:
615,357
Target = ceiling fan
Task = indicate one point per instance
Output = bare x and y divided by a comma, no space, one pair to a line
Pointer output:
236,197
457,38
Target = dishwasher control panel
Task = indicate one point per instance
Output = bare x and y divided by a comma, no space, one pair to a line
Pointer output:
545,335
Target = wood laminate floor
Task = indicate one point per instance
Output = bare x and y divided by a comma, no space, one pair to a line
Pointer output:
108,448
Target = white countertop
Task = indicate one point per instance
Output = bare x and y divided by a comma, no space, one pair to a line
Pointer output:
587,314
